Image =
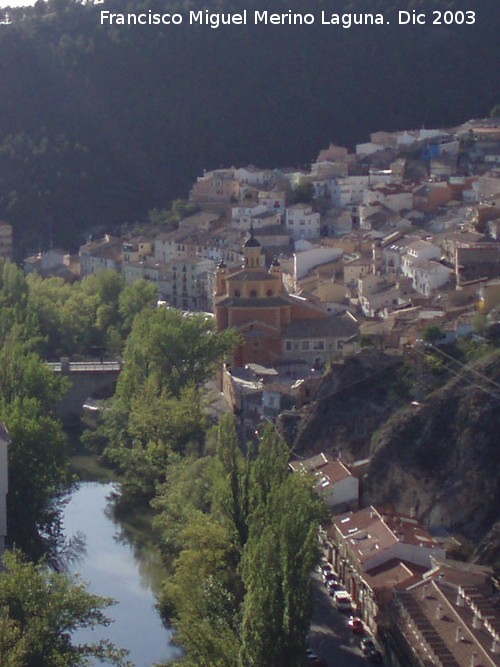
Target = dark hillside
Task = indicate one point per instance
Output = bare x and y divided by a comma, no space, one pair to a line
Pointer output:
100,123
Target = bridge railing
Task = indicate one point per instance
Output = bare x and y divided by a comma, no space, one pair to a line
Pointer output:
86,366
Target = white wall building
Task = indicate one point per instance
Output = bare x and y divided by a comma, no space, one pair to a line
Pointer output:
333,481
302,222
308,259
427,275
348,190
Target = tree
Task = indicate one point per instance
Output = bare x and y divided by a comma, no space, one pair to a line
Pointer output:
173,348
142,434
241,597
204,594
38,473
13,646
303,193
40,609
232,496
277,560
133,299
432,334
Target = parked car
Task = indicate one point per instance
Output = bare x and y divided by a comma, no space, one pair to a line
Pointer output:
333,587
327,577
356,625
367,645
342,601
313,660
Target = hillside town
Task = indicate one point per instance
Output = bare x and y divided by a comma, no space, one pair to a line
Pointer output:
368,248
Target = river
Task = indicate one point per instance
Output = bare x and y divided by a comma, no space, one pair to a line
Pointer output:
129,571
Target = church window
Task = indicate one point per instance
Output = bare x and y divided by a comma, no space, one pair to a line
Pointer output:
237,292
269,292
253,293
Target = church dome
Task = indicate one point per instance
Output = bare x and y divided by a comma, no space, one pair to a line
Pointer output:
252,242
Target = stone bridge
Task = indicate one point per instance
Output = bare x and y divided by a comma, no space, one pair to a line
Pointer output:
87,378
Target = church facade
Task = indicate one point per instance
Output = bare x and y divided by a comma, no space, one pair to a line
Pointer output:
255,302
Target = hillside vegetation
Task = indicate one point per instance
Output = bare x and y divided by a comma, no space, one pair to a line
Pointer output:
100,123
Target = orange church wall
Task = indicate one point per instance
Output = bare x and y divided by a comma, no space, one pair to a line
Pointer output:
240,315
267,352
300,312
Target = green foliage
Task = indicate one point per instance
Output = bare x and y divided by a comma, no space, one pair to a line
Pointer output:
366,341
141,439
186,493
432,334
133,299
40,609
479,323
38,472
233,490
24,375
173,349
247,541
168,220
303,193
13,646
37,454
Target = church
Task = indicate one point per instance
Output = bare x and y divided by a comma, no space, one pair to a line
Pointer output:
275,325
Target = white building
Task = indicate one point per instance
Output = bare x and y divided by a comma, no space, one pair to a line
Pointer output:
333,481
253,176
392,195
427,275
95,256
348,190
302,222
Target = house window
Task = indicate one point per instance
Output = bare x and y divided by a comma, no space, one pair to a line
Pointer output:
288,345
304,345
269,292
318,345
237,292
340,345
253,293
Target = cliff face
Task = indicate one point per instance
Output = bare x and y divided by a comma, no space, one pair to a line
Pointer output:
440,459
351,403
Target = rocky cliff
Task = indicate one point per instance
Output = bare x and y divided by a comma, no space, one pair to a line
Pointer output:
439,458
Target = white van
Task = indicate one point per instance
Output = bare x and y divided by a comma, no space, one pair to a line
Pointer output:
342,601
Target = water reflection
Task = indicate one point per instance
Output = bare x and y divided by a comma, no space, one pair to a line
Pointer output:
122,568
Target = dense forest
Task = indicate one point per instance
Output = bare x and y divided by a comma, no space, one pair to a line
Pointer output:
100,123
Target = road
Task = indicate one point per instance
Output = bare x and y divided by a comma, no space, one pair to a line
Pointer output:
330,637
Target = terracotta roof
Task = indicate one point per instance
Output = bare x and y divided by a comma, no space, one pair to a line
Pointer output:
265,302
442,619
392,574
338,326
249,274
